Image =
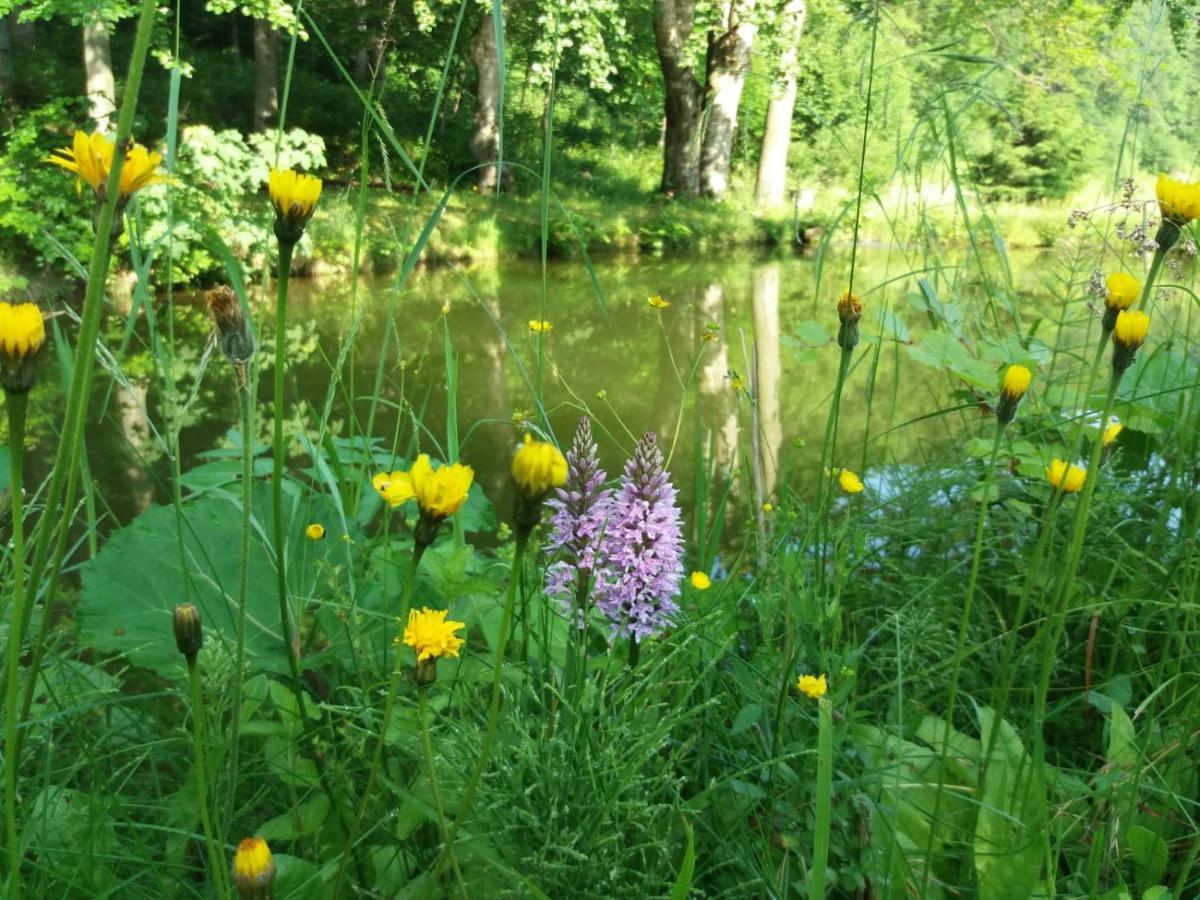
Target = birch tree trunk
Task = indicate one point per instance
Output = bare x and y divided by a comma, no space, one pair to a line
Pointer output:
673,21
485,136
266,75
98,74
771,186
728,62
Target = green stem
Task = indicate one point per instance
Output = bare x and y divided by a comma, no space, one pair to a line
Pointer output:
17,404
1061,597
247,403
489,734
427,746
824,820
280,453
964,622
216,859
60,496
389,710
1151,276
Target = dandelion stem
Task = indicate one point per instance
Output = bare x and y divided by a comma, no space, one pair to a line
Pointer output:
389,710
285,613
1151,276
824,815
53,530
427,746
247,404
489,735
964,623
17,404
216,859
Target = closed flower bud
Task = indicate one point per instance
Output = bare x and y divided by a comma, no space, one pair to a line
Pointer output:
233,330
849,309
1111,432
1016,382
537,468
189,635
253,870
294,196
1129,333
22,335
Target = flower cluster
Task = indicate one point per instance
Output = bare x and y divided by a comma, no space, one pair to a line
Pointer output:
580,508
642,548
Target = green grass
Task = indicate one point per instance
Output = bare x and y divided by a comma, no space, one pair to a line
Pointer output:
1013,706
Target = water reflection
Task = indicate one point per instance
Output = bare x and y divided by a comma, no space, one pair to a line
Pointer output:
626,363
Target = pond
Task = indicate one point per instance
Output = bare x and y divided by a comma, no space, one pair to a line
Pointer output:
738,369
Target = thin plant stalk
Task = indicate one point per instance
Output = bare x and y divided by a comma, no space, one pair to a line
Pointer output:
285,613
389,710
824,811
427,746
489,734
216,858
239,673
51,535
961,642
17,402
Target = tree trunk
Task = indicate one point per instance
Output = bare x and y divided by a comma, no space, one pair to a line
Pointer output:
777,133
673,23
485,136
97,67
266,75
768,371
728,61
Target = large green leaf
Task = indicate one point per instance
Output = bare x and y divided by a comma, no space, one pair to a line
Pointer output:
1008,853
139,576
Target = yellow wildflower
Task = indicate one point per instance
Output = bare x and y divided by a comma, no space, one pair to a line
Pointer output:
294,196
1065,477
1111,432
1123,290
768,508
812,686
700,581
849,482
1178,200
440,492
253,869
1131,329
658,302
1016,382
537,467
22,334
395,488
90,158
315,531
431,636
539,326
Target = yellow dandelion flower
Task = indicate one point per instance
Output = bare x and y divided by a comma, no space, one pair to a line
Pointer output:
431,636
22,334
1064,477
1111,432
1122,290
395,488
90,158
1178,200
253,868
315,531
812,686
537,467
700,581
294,196
539,326
849,482
1131,329
1016,382
658,302
440,492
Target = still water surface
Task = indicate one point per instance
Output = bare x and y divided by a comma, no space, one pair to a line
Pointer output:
734,365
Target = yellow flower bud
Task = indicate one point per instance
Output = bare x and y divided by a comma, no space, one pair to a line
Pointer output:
253,869
1123,290
537,467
